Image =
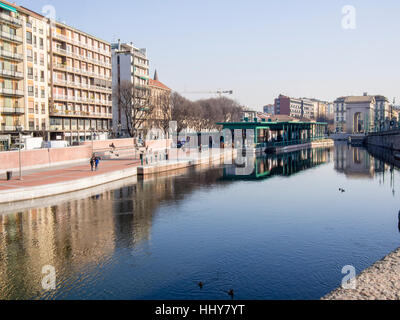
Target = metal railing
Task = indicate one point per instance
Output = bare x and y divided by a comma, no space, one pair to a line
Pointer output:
12,110
81,71
11,55
81,44
274,144
10,36
15,21
11,73
80,113
80,85
11,92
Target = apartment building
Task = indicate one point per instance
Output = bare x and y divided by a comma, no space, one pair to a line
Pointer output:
382,111
55,81
23,71
130,65
292,107
35,48
270,109
12,60
80,84
161,100
340,114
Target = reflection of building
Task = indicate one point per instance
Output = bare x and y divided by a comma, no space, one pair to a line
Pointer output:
353,162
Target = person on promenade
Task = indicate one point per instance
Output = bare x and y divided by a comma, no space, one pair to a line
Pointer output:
97,161
92,162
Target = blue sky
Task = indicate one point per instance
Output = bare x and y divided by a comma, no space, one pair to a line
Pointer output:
257,48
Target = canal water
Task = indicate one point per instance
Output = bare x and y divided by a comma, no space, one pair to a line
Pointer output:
285,231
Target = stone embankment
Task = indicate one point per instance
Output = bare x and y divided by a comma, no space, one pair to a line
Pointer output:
381,281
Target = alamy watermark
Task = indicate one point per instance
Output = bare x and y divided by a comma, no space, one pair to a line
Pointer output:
349,282
349,19
49,279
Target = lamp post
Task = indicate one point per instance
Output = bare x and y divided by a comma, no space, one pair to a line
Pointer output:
93,135
19,130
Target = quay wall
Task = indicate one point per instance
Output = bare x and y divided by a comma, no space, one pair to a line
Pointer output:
389,140
47,158
42,158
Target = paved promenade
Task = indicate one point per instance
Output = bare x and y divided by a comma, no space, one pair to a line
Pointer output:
42,177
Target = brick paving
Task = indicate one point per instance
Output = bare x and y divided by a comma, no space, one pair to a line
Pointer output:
67,173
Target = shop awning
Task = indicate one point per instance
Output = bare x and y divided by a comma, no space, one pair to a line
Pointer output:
7,7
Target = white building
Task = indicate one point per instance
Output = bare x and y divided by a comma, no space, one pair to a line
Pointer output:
128,64
361,114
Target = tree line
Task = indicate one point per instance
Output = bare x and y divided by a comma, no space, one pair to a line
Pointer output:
142,111
203,114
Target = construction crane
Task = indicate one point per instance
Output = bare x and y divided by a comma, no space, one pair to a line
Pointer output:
219,92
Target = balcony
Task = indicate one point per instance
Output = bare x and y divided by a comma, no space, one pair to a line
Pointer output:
9,128
10,55
6,110
63,67
11,92
80,85
79,114
10,37
81,44
11,74
10,20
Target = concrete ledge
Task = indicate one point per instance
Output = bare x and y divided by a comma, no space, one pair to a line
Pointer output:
29,193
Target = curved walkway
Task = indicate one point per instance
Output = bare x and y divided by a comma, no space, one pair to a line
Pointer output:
41,183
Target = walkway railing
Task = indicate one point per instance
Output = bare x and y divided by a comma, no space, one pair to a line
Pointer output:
287,143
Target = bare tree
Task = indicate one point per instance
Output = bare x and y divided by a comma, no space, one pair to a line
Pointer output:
181,111
135,104
204,114
163,111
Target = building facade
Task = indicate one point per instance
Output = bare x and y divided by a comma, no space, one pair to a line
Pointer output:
80,84
270,109
361,114
130,65
55,81
161,100
23,71
297,108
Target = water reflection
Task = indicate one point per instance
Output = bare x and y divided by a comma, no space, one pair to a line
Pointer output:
88,237
83,234
282,164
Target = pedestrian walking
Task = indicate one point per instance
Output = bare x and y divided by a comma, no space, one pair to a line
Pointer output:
97,161
92,162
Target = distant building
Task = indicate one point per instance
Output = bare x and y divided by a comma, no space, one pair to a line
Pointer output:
296,108
161,100
130,64
270,109
361,114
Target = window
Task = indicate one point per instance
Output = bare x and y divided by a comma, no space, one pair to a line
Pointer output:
30,73
30,91
29,37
